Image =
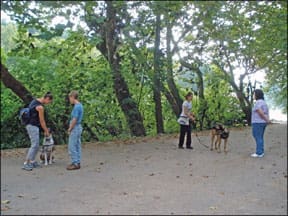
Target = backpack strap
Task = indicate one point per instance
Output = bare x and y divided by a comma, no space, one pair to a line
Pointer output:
34,104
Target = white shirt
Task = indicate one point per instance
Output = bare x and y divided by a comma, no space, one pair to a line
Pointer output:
188,105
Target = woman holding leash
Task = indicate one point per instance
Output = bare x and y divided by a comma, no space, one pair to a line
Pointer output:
36,122
184,121
260,119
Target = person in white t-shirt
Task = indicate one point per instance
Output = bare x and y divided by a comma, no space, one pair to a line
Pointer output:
260,119
185,117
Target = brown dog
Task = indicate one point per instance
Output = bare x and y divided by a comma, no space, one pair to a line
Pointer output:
220,132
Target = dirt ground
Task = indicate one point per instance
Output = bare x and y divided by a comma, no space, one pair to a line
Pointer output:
146,176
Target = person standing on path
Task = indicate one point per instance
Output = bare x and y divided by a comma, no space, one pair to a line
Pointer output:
184,120
259,120
75,131
35,124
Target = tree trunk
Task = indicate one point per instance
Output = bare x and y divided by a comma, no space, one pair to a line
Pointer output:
245,108
128,105
20,90
244,102
177,101
156,79
17,87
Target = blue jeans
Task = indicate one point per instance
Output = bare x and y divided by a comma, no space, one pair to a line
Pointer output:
74,145
34,135
258,134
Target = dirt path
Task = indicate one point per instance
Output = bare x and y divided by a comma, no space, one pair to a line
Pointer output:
153,176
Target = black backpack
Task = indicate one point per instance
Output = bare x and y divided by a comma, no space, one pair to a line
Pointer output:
24,114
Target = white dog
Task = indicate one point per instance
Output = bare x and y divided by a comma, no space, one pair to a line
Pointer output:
48,148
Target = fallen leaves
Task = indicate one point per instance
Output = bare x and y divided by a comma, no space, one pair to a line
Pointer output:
147,157
124,193
6,207
5,201
35,197
213,208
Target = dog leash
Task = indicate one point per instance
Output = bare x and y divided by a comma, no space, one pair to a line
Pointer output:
199,138
200,141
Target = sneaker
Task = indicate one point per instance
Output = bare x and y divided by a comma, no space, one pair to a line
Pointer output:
36,165
254,155
180,147
27,167
73,167
190,147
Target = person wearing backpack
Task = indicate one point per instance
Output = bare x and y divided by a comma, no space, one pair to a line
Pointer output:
35,123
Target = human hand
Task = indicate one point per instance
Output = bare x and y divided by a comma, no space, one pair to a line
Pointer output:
193,117
46,133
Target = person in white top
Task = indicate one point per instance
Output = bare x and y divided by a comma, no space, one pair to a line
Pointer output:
259,120
184,120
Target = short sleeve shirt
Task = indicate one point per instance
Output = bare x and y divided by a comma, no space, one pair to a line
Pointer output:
77,113
260,104
188,105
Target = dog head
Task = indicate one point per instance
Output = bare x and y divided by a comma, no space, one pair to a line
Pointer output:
47,141
225,133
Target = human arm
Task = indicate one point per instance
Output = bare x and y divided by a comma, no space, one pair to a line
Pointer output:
40,110
262,115
72,125
189,114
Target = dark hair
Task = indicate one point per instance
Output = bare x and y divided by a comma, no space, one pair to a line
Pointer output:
259,94
74,94
48,95
188,95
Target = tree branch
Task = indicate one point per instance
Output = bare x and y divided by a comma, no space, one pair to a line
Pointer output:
17,87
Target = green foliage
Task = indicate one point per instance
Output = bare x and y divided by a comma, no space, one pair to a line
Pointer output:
252,35
222,103
8,31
